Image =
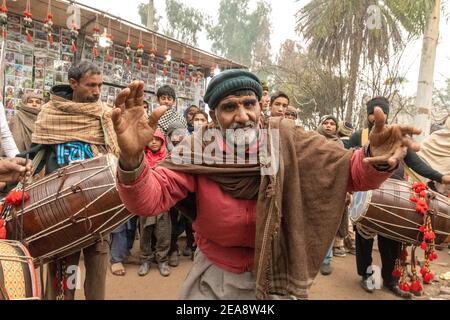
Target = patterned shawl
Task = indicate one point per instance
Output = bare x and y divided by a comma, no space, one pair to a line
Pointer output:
62,121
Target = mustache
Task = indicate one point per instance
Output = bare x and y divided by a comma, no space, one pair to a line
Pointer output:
247,125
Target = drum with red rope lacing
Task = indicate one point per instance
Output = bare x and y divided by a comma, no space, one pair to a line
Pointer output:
68,210
388,211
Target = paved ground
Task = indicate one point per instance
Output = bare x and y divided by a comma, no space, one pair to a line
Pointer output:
342,284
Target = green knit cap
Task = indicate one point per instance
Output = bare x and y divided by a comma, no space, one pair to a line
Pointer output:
228,82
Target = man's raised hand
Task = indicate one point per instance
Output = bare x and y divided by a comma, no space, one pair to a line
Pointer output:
388,144
133,129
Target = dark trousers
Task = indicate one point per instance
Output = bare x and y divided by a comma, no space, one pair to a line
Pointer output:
389,251
179,224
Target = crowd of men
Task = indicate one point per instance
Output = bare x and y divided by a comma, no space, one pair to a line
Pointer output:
220,209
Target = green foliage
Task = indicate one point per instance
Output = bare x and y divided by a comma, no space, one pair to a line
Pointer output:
236,32
313,88
184,22
339,34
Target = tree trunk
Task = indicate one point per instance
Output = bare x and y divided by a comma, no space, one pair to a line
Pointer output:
354,68
425,85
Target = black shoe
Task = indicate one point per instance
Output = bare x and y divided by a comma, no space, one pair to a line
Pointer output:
367,285
326,269
144,268
395,289
164,269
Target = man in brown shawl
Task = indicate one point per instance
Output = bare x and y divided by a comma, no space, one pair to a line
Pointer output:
262,227
22,124
76,125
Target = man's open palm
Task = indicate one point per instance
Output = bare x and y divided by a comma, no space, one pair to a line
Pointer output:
389,143
134,131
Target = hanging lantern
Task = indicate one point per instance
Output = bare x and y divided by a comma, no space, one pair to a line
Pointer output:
167,56
182,69
153,49
140,52
48,23
74,37
48,27
28,21
96,36
4,18
152,53
108,41
128,48
191,67
128,52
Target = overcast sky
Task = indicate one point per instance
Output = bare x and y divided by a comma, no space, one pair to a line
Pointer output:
283,27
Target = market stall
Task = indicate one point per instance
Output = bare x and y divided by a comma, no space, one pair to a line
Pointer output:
41,39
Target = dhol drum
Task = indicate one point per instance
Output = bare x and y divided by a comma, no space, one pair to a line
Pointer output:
17,273
389,212
69,209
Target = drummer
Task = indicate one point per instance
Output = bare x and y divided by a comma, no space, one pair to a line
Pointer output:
389,249
76,125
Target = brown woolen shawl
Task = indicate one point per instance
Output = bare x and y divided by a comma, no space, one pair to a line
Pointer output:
299,208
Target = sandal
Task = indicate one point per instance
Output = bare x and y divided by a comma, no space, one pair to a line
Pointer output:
118,269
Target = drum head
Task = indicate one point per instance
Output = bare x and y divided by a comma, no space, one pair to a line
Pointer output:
360,204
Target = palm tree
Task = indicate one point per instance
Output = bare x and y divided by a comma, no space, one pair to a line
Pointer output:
340,32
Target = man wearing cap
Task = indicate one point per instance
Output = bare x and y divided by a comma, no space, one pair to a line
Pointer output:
389,249
262,228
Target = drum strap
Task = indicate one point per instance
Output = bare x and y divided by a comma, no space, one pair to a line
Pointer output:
411,173
37,160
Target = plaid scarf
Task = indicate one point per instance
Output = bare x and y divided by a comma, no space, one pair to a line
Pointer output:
62,121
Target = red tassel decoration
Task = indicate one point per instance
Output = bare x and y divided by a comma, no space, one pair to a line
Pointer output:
428,277
404,286
2,229
396,273
29,39
423,245
95,52
416,286
14,197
